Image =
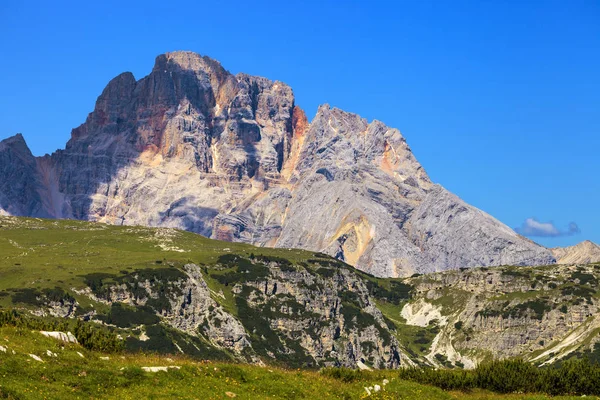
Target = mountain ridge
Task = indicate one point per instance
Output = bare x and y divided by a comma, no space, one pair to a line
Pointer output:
233,157
582,253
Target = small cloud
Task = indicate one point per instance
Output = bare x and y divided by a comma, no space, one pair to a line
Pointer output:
533,227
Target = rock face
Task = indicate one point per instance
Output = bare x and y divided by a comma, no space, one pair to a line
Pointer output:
234,158
583,253
21,188
442,215
542,314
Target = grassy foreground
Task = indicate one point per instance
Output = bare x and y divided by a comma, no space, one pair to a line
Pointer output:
68,371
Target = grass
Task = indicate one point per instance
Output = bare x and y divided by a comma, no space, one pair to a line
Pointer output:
69,376
39,256
40,253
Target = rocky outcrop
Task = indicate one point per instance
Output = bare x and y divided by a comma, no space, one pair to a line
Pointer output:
232,157
542,314
297,315
582,253
330,314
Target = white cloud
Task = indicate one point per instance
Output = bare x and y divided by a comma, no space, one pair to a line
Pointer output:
533,227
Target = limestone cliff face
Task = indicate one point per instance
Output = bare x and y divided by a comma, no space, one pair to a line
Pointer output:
284,314
233,157
582,253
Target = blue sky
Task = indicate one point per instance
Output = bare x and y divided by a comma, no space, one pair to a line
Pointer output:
499,100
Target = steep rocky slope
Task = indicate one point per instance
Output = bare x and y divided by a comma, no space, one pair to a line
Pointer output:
582,253
233,157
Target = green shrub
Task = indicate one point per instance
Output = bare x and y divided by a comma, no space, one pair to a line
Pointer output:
564,309
573,377
90,335
244,270
326,272
398,291
345,375
584,278
533,308
42,297
125,316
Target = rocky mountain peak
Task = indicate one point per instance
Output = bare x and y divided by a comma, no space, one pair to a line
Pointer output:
112,106
186,60
192,146
15,143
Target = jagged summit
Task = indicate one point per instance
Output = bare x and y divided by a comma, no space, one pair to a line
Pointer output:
187,60
233,157
16,141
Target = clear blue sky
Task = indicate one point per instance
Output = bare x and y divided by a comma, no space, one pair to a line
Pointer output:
500,100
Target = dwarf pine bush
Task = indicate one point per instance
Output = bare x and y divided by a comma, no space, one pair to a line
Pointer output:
573,377
89,335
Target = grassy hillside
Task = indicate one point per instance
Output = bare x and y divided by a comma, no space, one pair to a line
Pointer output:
145,296
47,253
69,371
297,307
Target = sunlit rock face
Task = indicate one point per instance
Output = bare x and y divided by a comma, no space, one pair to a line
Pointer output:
582,253
232,157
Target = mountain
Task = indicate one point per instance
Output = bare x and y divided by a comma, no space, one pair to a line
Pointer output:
232,157
583,253
170,291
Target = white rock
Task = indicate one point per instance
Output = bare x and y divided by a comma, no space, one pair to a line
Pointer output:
362,366
80,355
158,369
376,388
3,349
36,358
65,337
